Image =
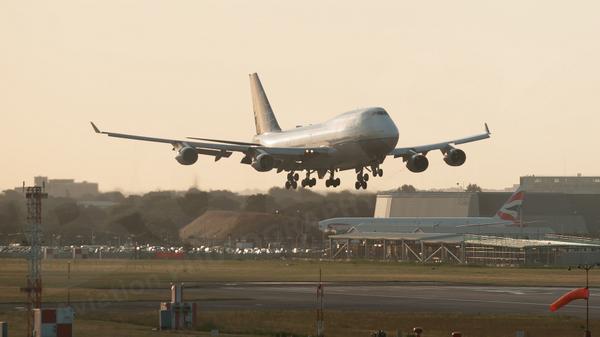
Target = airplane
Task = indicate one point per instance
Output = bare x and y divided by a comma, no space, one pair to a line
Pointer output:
357,140
507,216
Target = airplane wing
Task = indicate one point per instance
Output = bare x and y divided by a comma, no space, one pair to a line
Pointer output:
443,146
223,149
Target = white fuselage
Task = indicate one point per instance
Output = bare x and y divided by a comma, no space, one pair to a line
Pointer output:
359,138
402,224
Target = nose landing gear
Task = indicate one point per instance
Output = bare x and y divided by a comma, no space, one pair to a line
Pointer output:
377,171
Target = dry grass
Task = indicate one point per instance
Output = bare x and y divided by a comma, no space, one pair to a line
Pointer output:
338,324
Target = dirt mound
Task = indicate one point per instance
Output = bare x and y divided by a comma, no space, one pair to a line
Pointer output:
245,226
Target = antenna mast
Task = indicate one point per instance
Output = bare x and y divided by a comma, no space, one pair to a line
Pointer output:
34,196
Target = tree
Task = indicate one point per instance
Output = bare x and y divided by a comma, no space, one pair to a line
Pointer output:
473,188
66,212
223,202
256,203
194,203
407,188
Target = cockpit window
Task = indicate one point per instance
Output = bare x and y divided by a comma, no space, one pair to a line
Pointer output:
380,112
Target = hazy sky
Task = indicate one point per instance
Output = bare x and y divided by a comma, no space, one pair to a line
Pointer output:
531,69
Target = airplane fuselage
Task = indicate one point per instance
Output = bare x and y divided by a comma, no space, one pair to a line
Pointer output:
359,138
407,223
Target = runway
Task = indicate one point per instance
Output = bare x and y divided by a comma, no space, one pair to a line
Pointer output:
399,297
365,296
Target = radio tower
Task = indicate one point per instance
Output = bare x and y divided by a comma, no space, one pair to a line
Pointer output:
34,195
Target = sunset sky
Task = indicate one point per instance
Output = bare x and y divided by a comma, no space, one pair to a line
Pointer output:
530,69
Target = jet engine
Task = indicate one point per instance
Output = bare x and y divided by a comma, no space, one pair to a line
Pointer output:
455,157
417,163
263,162
187,155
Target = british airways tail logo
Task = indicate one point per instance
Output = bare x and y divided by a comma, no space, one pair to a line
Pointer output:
512,207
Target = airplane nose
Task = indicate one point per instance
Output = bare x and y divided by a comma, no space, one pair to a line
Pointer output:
392,135
391,132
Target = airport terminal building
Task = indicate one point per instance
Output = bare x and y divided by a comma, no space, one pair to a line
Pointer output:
576,212
560,217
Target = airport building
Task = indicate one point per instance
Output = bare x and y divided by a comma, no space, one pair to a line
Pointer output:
463,249
561,184
559,219
572,214
566,205
65,188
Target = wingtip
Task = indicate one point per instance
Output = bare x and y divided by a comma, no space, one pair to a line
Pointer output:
95,128
487,129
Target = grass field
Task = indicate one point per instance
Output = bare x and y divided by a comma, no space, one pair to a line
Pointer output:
337,323
149,280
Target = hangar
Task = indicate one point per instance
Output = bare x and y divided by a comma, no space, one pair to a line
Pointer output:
564,213
462,249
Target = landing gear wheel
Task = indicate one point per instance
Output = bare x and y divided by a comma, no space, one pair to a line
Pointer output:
359,177
313,182
380,172
365,177
357,185
294,184
364,185
336,182
296,176
287,185
327,182
303,183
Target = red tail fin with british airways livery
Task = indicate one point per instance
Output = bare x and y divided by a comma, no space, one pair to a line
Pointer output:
511,209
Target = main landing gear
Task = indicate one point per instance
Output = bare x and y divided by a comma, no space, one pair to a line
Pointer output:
308,181
292,181
332,182
361,180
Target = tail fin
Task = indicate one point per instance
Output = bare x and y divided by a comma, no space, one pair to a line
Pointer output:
511,209
263,114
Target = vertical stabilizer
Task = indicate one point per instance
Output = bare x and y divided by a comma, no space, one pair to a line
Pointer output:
263,114
511,209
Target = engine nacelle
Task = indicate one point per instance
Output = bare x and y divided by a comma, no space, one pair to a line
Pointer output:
263,162
187,156
455,157
417,163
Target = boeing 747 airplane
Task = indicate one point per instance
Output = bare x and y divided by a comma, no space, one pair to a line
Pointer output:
357,140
